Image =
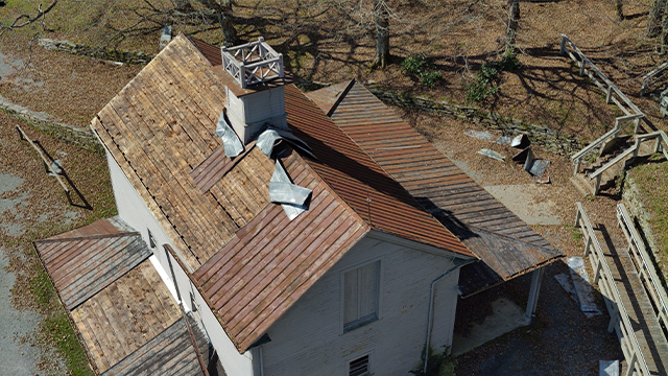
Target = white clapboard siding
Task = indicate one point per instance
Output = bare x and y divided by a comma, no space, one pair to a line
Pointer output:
134,212
309,338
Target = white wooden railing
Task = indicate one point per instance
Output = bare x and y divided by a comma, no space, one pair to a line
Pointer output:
645,268
252,63
649,79
631,112
619,318
661,146
587,67
620,123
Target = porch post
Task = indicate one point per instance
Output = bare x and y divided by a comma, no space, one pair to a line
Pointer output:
536,279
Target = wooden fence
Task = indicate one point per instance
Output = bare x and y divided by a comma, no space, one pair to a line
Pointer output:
645,268
661,146
649,78
631,112
619,318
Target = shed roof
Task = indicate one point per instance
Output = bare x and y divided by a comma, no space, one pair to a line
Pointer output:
249,262
123,313
506,245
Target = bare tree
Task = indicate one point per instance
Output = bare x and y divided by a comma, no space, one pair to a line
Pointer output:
513,23
382,20
225,16
25,19
654,20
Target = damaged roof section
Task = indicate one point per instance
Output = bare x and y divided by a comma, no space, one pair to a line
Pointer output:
506,245
122,311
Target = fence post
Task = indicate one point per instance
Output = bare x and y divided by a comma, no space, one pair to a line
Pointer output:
597,275
632,364
636,123
577,168
562,46
597,186
582,67
657,148
609,94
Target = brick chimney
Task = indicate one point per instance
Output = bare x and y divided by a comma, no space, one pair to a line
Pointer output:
254,80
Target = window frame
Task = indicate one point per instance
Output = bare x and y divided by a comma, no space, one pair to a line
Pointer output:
360,322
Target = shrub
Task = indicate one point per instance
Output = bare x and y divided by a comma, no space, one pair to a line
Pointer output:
483,85
420,66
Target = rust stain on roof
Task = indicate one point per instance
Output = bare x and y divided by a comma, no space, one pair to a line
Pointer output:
506,245
245,257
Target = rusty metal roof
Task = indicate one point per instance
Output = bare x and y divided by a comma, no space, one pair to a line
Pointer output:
246,258
84,261
382,202
441,188
126,318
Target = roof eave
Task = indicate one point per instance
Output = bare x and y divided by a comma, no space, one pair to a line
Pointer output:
408,243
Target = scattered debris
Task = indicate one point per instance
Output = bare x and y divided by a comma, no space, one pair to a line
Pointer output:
582,287
520,142
166,36
536,167
503,140
56,168
480,135
608,368
492,154
521,157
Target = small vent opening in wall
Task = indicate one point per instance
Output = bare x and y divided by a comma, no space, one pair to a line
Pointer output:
359,367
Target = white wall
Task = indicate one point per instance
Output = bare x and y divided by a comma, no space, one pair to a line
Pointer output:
134,212
309,338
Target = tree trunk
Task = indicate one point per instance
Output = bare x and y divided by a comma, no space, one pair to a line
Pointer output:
382,20
664,30
620,12
223,9
182,5
513,23
654,19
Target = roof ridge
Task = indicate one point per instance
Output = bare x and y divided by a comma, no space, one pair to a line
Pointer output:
341,98
89,237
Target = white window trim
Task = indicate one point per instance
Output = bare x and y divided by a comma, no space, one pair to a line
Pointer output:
342,294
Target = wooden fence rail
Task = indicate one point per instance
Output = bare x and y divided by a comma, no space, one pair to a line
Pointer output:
619,318
649,79
645,268
630,110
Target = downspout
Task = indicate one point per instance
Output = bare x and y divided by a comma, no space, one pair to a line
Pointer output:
261,362
431,309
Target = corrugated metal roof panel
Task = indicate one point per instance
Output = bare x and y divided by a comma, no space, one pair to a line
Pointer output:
85,261
441,187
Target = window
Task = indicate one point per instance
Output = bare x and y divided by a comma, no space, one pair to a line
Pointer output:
359,367
360,296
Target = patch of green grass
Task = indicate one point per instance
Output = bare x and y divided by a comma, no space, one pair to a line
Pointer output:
652,182
65,340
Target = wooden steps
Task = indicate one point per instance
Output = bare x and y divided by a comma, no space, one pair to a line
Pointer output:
581,179
637,304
